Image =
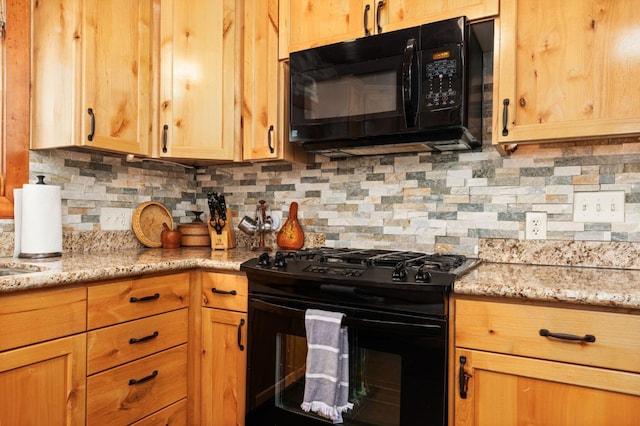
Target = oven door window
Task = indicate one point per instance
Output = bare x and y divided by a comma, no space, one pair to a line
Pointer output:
374,384
395,376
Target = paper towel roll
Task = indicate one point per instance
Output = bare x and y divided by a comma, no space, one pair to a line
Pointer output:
41,221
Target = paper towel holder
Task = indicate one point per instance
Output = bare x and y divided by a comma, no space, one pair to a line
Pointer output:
40,255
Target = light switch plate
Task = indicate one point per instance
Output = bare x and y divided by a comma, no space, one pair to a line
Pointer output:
115,219
598,206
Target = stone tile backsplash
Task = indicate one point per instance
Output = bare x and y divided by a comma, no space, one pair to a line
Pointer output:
442,202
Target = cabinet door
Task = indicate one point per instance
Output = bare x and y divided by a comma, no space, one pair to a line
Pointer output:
44,384
261,130
91,80
397,14
511,390
200,79
117,66
224,366
314,22
569,70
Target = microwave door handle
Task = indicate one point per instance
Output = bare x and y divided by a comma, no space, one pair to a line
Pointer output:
409,85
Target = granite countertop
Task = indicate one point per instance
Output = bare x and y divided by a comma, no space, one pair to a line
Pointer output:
603,287
73,268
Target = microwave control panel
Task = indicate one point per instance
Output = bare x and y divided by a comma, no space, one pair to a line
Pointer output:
441,79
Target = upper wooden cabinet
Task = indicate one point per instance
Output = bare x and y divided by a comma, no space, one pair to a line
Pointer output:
200,79
91,74
265,88
313,22
568,70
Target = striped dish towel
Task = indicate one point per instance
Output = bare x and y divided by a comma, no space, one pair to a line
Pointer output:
326,388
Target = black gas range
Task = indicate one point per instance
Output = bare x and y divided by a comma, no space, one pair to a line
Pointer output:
404,281
394,306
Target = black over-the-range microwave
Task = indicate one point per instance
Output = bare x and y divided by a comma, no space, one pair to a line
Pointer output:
410,90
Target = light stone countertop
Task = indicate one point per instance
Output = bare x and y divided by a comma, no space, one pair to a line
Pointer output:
603,287
73,268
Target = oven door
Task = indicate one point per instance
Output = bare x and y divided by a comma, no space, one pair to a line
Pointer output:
397,365
362,88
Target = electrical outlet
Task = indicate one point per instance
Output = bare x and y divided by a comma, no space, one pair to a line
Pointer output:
536,226
115,219
602,206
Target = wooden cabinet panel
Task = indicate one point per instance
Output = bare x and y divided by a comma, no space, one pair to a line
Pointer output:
110,303
14,54
92,55
567,70
510,390
111,346
224,366
30,317
117,86
44,384
173,415
265,94
314,23
515,329
200,45
112,397
231,291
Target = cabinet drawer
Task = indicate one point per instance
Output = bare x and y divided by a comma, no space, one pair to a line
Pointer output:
125,300
32,317
173,415
224,291
111,346
515,329
113,397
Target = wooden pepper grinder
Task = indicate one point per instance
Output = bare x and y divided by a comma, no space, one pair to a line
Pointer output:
290,236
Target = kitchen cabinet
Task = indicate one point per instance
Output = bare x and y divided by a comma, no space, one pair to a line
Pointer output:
566,71
137,349
14,71
265,94
508,372
313,23
91,74
224,359
43,357
200,79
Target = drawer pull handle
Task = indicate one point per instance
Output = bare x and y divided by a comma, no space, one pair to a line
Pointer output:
143,339
144,379
588,338
144,299
463,378
240,345
216,291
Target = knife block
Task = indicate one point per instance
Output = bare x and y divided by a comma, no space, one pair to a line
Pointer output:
226,239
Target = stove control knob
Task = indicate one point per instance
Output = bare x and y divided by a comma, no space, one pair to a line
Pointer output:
399,272
263,259
423,276
279,261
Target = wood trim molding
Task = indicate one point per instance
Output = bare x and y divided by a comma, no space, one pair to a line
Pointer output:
15,152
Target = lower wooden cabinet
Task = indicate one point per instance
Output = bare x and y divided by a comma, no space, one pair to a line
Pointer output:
224,355
511,390
44,384
518,364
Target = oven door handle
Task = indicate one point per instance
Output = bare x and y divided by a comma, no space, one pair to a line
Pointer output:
381,325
